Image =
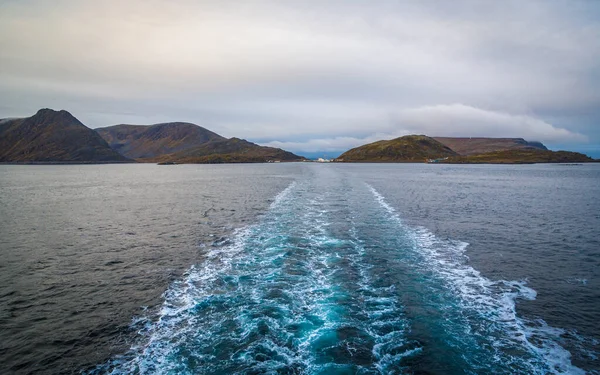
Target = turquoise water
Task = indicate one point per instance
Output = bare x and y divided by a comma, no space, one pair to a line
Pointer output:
332,280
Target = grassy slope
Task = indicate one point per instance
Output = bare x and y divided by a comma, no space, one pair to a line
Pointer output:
480,145
232,150
410,148
520,157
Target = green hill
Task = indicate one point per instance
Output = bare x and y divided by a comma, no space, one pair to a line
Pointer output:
407,149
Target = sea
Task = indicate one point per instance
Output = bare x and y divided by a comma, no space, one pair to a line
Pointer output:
300,268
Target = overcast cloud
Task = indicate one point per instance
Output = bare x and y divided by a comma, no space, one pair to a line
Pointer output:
312,76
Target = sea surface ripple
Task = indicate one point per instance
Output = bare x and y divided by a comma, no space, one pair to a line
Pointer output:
332,280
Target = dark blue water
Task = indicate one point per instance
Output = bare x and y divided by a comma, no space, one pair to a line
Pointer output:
333,281
86,248
301,269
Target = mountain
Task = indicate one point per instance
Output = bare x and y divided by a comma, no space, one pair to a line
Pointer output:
420,148
151,141
233,150
520,156
472,146
180,142
407,149
52,136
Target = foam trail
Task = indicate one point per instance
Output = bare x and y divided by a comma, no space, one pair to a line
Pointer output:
203,288
278,298
484,311
331,282
386,323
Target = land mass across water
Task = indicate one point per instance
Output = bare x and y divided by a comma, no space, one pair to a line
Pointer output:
50,137
520,156
480,145
407,149
53,137
424,149
180,142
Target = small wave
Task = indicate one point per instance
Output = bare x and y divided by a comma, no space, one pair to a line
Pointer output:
282,195
269,299
306,291
488,308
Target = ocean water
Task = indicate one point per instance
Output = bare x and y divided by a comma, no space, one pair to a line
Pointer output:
300,269
84,249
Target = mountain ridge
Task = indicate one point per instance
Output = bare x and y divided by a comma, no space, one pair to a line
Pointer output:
421,148
480,145
150,141
50,137
232,150
53,136
180,142
520,156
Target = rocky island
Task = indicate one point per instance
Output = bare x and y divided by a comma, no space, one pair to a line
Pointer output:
424,149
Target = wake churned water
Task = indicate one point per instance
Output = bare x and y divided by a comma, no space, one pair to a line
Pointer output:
332,281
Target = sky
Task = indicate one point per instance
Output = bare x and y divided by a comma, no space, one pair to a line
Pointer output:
312,76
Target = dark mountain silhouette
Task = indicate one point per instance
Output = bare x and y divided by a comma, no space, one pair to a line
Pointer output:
233,150
180,142
53,136
151,141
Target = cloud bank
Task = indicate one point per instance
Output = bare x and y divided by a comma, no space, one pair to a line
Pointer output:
455,120
311,75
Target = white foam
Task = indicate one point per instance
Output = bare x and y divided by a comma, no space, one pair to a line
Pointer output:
176,316
254,257
492,300
255,254
382,308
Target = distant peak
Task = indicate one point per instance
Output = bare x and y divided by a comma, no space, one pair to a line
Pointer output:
413,137
47,115
51,112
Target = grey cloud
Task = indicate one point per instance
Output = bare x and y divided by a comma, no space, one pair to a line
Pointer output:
334,72
455,120
463,120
